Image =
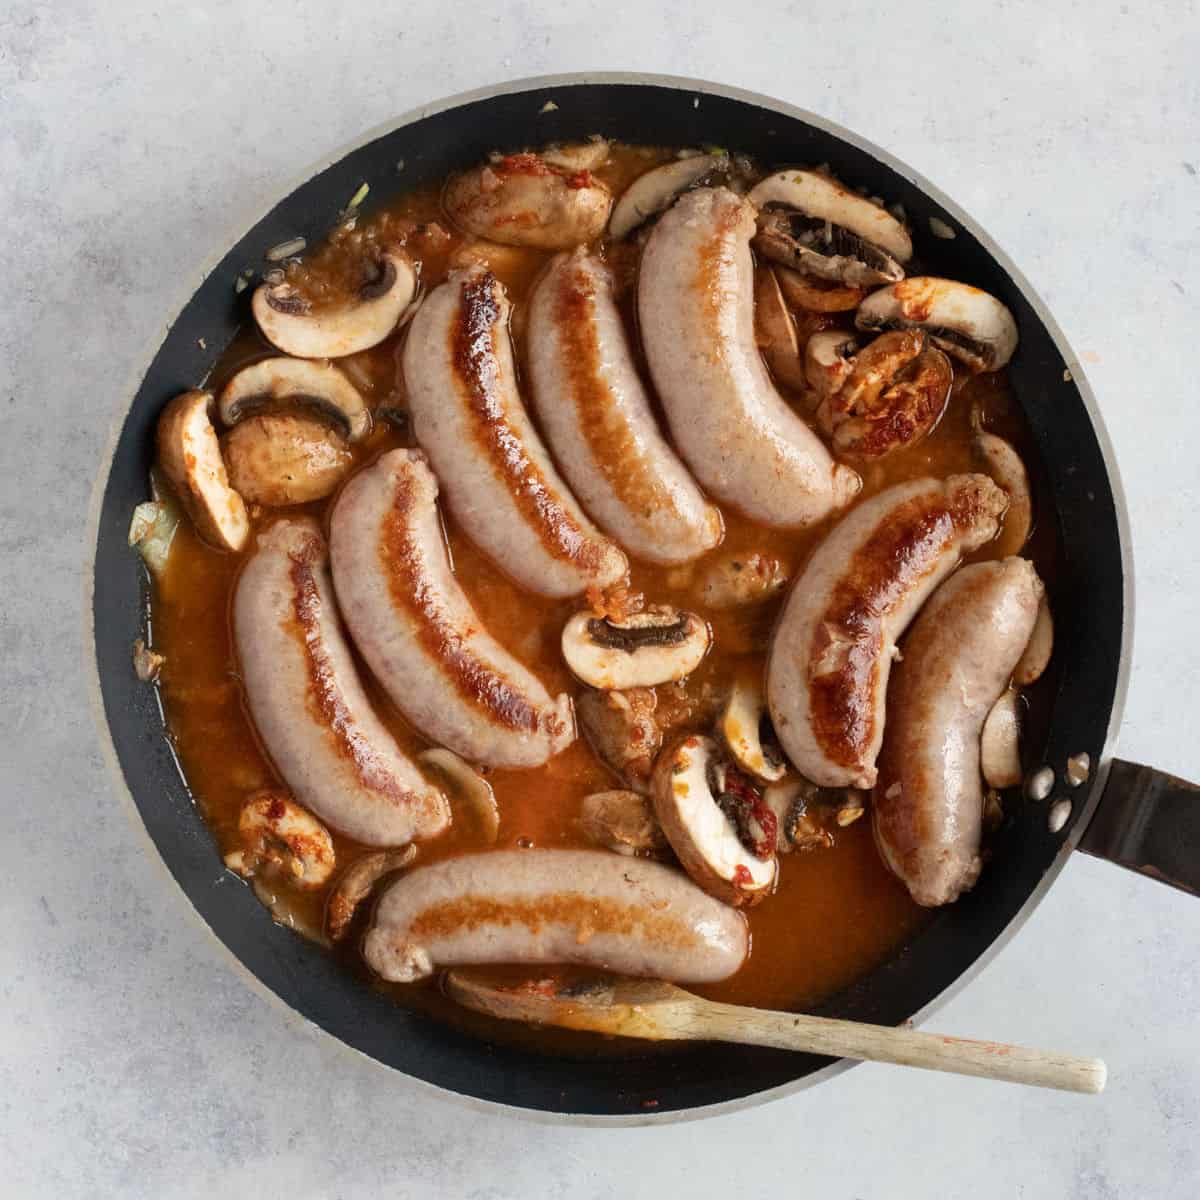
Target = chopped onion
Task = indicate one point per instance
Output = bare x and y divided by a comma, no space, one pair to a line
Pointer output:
151,530
285,249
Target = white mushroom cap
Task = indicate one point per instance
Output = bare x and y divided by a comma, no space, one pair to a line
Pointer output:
287,322
820,197
303,381
658,189
967,323
741,727
190,456
659,645
701,834
461,782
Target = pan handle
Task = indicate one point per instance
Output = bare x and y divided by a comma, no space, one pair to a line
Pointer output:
1148,821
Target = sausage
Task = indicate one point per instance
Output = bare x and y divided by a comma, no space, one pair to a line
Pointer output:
958,658
628,915
596,415
308,703
468,416
696,313
419,633
828,663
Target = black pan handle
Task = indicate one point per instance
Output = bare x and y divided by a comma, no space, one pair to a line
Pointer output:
1148,821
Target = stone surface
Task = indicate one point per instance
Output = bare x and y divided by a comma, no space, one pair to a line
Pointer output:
132,1062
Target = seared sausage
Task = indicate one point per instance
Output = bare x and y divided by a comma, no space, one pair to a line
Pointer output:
418,632
957,660
696,313
596,415
627,915
499,481
307,700
828,664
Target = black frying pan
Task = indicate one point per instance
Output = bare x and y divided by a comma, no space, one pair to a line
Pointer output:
1128,813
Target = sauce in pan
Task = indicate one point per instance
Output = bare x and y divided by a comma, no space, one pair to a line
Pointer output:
836,913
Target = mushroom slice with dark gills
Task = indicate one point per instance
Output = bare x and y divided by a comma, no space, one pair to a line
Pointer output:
282,382
623,730
775,331
746,729
290,323
810,222
893,397
659,645
523,200
968,324
716,820
623,822
659,188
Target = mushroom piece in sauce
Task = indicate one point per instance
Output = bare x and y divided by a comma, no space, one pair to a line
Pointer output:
292,325
659,188
278,382
623,822
621,727
716,821
281,839
356,884
746,729
281,459
659,645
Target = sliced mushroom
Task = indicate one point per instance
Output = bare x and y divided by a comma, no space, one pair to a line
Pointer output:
998,458
799,820
291,324
740,580
828,360
966,323
578,156
1000,743
1036,656
894,396
822,199
522,200
817,295
466,786
621,728
689,779
356,883
190,457
850,807
623,822
280,459
776,331
746,728
275,382
282,840
659,645
658,189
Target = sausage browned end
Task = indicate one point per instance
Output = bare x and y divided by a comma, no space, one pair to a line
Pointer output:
957,660
828,664
308,703
696,313
499,481
628,915
596,415
419,633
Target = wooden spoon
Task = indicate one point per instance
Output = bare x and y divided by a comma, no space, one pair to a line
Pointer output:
638,1008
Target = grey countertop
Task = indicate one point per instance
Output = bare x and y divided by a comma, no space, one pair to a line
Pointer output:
133,1062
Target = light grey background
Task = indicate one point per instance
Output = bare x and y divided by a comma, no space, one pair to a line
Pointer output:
132,1061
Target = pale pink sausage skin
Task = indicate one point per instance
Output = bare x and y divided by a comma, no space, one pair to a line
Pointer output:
828,663
739,436
498,479
627,915
418,631
596,416
308,703
957,660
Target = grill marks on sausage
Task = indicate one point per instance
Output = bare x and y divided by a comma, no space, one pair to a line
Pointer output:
444,641
847,645
324,697
473,351
614,448
588,915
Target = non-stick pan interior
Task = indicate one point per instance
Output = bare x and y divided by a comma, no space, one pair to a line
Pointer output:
1088,604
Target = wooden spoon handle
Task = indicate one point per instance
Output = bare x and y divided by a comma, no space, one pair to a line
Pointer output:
882,1043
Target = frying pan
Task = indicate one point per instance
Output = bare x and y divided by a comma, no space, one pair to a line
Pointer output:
1131,814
